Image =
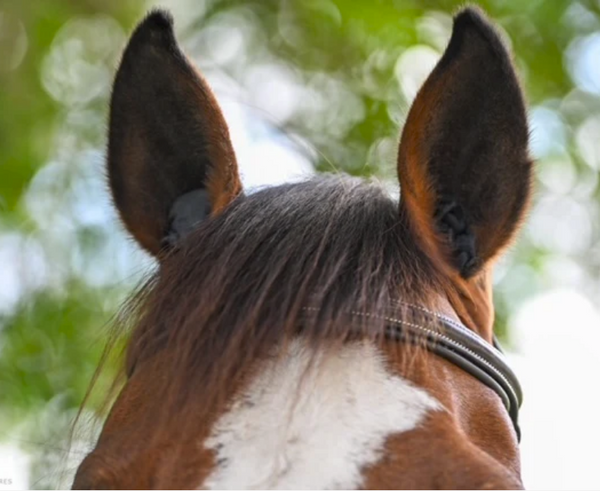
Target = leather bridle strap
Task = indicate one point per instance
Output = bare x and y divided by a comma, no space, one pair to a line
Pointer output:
456,343
463,348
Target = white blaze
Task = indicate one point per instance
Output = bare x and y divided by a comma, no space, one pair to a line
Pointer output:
314,421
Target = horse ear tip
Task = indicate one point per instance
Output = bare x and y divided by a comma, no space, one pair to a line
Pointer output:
471,15
156,29
156,26
158,19
473,19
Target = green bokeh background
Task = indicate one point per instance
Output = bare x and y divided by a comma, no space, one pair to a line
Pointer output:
66,264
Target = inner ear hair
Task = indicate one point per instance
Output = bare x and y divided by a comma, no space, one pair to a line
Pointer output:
452,223
188,211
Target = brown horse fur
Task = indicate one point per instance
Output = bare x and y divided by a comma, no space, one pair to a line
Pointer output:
235,289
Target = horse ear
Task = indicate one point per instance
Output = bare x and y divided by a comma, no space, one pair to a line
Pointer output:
170,159
463,163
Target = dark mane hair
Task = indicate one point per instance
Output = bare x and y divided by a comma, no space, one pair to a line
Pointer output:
238,285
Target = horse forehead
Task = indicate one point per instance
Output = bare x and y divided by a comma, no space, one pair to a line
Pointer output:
309,419
314,418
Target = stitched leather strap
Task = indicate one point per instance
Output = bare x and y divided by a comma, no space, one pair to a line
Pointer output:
459,345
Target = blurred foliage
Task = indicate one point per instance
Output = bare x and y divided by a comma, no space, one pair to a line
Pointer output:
334,77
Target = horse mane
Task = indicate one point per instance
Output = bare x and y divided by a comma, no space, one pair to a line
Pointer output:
238,286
